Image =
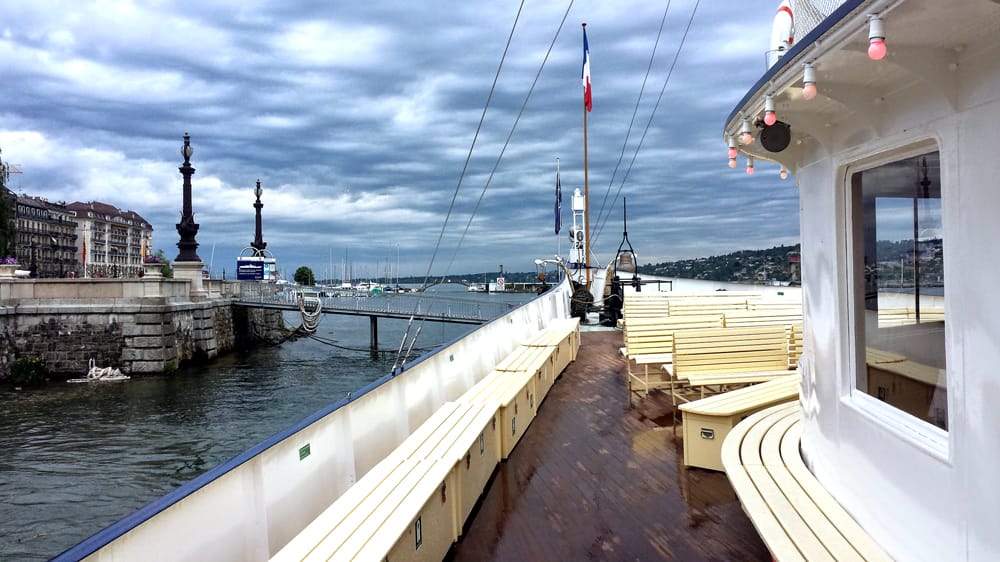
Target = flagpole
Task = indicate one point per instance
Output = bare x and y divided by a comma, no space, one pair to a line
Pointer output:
586,184
558,206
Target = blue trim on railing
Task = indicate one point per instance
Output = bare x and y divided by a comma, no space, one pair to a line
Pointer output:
112,532
840,13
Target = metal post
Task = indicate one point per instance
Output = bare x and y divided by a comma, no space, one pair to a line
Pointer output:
373,322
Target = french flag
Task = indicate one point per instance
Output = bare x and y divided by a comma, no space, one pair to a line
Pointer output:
588,100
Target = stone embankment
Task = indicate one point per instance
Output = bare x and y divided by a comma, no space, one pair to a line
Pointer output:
136,325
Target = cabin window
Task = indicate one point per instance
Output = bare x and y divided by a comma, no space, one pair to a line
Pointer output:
899,286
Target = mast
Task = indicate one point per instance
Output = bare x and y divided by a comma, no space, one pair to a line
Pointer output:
587,105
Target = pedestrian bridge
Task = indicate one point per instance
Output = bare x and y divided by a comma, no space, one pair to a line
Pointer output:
419,306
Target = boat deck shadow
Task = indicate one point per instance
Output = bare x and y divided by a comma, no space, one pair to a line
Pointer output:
593,479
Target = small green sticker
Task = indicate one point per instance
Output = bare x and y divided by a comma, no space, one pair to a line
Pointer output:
304,451
451,358
781,293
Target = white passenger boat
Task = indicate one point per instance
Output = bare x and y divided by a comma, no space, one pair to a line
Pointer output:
885,113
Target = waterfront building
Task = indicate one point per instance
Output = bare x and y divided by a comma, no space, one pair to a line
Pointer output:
46,236
110,242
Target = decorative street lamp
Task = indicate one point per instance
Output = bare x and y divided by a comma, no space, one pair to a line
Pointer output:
258,243
187,228
34,263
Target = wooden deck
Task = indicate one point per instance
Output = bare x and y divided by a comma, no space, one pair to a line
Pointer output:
595,480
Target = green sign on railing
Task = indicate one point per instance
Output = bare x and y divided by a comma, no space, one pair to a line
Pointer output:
304,451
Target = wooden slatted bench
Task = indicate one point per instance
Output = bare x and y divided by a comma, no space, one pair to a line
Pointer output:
726,357
901,316
794,335
512,394
895,316
770,317
766,304
362,508
474,440
415,502
338,521
794,515
414,522
538,362
708,421
563,335
705,306
649,345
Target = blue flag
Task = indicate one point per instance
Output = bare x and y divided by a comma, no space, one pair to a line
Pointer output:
558,204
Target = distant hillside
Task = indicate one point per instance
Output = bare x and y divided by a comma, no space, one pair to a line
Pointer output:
745,265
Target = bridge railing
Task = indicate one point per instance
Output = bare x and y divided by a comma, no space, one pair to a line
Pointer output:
417,304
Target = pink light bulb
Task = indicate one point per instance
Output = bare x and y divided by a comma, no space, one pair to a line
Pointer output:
732,162
809,91
876,49
732,152
770,118
784,174
746,138
749,169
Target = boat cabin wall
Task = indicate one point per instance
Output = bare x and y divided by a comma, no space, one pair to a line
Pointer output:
923,492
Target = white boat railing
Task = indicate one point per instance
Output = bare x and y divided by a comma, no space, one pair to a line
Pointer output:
250,506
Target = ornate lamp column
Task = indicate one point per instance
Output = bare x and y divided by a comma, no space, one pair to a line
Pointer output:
187,228
258,243
187,264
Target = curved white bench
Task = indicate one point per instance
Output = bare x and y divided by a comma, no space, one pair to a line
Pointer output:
795,516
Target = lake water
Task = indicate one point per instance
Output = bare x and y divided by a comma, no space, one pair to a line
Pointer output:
74,458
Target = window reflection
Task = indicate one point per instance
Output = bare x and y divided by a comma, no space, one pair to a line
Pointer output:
899,272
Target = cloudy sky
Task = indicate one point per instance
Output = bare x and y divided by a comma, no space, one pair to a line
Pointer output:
358,117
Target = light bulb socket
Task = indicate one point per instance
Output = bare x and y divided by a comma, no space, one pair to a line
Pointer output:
808,74
876,28
769,103
746,133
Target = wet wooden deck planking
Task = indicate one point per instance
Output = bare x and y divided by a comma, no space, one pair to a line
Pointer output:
593,479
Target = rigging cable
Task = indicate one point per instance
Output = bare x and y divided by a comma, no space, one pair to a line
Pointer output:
635,112
465,167
496,164
653,113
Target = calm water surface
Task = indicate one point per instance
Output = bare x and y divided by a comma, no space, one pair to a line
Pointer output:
74,458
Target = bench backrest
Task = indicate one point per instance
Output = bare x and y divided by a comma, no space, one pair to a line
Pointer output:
774,304
900,316
731,350
794,333
658,336
773,317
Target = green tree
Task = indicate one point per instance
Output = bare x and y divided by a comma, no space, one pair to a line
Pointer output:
304,276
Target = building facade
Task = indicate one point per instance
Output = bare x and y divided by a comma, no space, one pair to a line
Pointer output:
46,237
110,242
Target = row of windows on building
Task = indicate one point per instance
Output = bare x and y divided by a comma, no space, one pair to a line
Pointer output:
93,239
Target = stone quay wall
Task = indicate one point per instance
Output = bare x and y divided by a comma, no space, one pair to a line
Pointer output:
138,326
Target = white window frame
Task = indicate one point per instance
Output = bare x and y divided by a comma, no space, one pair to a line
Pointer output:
912,430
